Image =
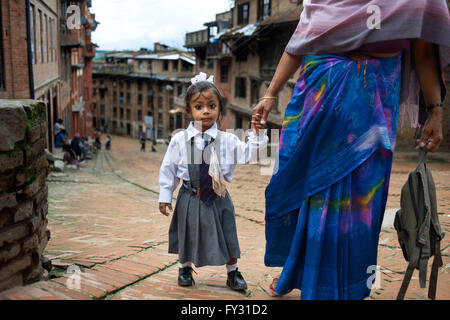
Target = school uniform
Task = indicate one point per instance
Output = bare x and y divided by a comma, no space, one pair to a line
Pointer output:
203,226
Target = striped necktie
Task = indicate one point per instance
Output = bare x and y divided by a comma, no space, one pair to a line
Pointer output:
207,194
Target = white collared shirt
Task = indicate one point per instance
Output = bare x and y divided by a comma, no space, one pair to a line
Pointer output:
233,151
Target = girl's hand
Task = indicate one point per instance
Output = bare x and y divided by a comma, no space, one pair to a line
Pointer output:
432,131
163,206
260,113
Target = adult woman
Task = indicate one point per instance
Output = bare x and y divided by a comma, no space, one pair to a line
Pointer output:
325,203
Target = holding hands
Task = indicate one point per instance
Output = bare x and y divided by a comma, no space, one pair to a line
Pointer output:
260,113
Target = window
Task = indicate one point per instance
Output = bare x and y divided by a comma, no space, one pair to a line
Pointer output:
175,65
139,85
238,122
128,97
240,87
115,112
44,39
128,114
2,70
121,113
54,40
263,9
224,73
50,38
254,94
102,109
179,89
150,101
39,37
139,115
166,65
32,32
243,11
139,98
210,64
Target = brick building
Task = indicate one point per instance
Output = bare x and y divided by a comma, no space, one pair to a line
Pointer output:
77,53
242,48
136,92
39,61
29,53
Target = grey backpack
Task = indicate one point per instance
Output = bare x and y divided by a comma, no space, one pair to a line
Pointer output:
418,228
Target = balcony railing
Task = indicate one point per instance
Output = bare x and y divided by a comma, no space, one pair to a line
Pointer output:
112,68
89,51
213,50
197,38
71,38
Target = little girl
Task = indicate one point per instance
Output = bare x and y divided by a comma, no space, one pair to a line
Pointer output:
203,227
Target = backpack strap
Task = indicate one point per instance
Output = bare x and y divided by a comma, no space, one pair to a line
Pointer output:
423,264
408,274
437,262
422,154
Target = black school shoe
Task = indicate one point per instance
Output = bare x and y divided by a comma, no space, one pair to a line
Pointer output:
236,281
185,277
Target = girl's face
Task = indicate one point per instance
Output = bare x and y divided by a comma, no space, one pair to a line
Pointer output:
204,108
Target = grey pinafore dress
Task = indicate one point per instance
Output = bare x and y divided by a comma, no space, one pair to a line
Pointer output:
204,235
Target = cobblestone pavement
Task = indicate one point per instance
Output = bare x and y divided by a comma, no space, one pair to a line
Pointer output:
109,241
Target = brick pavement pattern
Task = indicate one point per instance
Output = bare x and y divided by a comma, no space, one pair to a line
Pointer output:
109,240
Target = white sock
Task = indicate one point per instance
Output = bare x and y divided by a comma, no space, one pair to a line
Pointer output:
231,267
186,264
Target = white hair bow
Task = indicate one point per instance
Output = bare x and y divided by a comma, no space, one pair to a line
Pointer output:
202,77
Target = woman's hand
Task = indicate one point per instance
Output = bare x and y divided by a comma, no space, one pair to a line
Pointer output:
432,131
163,208
260,113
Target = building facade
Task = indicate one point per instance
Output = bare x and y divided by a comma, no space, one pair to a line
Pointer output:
242,48
29,53
77,53
142,92
39,60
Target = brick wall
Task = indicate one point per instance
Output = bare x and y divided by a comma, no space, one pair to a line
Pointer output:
23,191
15,50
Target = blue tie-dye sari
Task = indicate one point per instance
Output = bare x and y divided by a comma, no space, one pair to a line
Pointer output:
325,203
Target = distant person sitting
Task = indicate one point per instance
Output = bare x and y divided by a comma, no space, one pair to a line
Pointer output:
61,138
77,147
69,157
58,126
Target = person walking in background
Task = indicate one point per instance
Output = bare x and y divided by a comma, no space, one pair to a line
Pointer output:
143,140
203,227
108,143
97,141
325,203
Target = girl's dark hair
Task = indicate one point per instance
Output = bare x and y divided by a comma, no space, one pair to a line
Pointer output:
200,87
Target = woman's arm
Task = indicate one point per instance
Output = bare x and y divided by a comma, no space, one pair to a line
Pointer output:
286,67
428,75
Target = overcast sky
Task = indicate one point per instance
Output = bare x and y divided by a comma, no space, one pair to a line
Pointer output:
133,24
